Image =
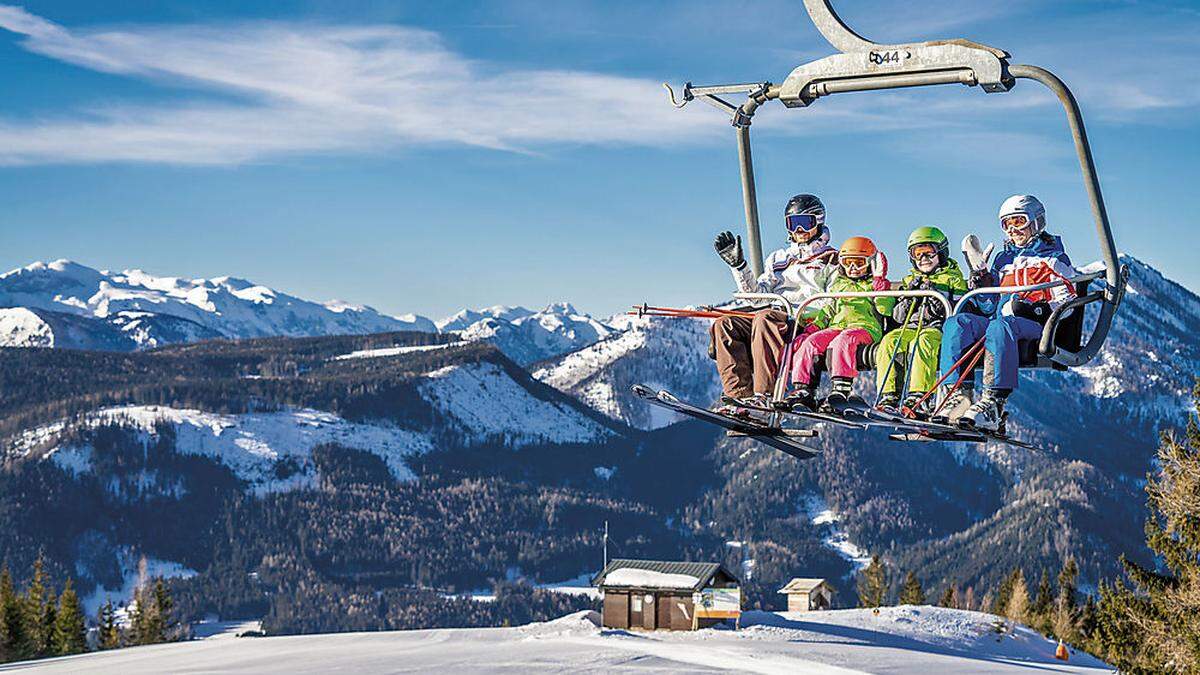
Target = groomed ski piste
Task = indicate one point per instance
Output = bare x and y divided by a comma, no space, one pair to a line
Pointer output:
905,639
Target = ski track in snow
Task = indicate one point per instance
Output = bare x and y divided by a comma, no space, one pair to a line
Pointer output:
486,404
249,444
906,639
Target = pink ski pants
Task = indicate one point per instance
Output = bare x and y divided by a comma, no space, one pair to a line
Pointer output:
843,348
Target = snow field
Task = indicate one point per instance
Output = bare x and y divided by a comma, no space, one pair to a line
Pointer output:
906,639
251,444
486,404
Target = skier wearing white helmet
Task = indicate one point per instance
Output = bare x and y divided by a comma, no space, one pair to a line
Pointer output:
1030,256
748,351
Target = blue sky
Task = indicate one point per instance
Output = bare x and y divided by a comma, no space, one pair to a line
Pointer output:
429,156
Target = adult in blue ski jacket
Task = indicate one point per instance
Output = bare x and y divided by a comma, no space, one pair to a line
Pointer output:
1030,256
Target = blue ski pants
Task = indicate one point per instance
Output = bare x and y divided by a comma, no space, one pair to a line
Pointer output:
1000,334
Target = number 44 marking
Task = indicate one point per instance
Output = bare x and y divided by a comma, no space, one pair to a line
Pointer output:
894,56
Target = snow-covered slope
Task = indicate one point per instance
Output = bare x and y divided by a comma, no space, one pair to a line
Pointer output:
152,311
527,337
256,446
665,353
485,405
907,639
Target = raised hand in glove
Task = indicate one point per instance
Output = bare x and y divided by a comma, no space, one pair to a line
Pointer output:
730,249
879,270
977,257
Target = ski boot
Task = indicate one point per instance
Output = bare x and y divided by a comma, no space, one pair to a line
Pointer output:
914,407
799,398
840,393
889,402
740,408
954,407
986,414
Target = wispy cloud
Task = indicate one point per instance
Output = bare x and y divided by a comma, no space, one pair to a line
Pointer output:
260,91
311,88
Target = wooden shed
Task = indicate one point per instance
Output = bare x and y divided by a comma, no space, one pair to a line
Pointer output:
661,595
808,595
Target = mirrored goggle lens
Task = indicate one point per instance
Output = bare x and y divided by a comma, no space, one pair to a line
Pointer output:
921,251
853,261
1017,221
801,222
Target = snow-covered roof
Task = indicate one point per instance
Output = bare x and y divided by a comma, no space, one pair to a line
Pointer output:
803,585
651,574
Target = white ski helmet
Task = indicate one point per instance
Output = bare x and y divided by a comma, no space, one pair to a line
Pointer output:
1030,207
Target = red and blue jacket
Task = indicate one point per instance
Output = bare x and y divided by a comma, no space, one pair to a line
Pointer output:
1041,260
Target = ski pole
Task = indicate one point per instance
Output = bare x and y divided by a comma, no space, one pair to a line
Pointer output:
892,361
970,353
912,352
958,383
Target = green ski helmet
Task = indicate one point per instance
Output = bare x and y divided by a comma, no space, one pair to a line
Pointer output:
929,235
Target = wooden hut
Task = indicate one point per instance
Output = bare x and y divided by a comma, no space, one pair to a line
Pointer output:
661,595
808,595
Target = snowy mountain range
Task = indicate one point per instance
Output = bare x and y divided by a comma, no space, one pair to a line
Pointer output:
65,304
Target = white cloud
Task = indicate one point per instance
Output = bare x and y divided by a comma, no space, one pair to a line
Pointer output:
303,88
260,91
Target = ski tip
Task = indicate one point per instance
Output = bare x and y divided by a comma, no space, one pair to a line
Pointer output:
642,391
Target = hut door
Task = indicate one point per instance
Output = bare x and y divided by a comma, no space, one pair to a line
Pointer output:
648,612
663,613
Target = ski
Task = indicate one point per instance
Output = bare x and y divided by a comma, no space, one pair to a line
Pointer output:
780,439
805,414
910,427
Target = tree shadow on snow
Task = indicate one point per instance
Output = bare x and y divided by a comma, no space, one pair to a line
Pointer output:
874,638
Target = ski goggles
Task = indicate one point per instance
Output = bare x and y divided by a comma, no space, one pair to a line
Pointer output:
801,222
1014,223
853,261
923,251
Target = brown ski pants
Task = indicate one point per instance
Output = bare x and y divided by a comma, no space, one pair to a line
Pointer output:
748,350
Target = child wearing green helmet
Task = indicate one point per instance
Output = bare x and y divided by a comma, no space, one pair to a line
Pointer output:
906,361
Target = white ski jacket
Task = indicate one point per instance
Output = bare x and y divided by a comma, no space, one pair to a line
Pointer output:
795,272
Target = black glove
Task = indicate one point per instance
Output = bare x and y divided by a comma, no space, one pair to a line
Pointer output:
1035,311
934,311
730,250
981,279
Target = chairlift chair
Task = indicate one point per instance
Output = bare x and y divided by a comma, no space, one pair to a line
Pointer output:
862,65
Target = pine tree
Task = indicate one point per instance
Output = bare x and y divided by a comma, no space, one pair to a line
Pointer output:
36,607
1067,594
1064,621
1159,615
164,608
1017,607
999,603
1040,613
912,593
48,624
873,584
109,634
949,597
14,635
70,628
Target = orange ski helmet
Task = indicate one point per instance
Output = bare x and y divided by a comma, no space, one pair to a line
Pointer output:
860,248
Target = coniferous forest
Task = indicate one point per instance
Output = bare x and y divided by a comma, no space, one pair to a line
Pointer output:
359,549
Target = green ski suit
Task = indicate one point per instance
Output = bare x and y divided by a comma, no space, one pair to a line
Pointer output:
929,315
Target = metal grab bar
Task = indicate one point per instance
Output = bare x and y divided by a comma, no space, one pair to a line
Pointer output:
795,310
1003,290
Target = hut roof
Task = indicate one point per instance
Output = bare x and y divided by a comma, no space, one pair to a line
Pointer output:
693,576
803,585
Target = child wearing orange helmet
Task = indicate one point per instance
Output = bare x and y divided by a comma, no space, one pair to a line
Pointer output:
844,325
